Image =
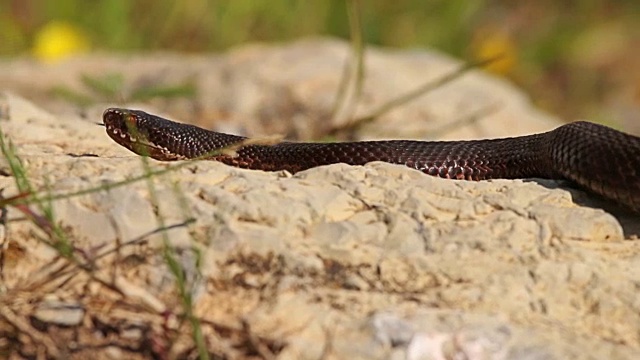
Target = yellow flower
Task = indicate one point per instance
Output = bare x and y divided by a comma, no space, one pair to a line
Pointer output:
495,43
57,40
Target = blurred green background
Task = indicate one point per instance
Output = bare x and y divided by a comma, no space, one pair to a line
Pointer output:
578,59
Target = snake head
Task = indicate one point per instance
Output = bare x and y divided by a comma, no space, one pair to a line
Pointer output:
139,132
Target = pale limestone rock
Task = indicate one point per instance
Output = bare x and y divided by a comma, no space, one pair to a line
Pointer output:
378,261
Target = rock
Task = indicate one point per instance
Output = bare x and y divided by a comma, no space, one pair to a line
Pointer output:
375,261
258,90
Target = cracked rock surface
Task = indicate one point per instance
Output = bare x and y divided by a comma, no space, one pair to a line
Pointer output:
371,262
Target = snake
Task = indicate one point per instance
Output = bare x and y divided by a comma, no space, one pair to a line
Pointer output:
597,158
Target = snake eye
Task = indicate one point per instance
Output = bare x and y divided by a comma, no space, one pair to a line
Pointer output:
131,121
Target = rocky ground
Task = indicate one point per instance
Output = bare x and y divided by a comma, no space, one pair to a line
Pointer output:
369,262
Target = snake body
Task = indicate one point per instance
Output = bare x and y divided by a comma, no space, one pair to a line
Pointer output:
599,159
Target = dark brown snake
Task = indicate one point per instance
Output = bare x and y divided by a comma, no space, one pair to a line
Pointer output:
599,159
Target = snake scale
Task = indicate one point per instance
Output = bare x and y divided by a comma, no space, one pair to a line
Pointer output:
599,159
